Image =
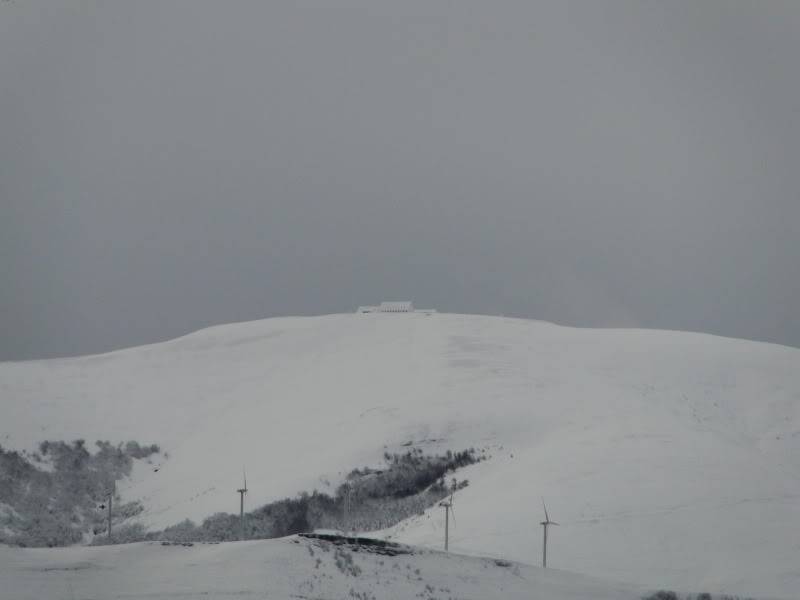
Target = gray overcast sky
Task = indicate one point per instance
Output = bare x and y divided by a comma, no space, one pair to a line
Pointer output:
167,165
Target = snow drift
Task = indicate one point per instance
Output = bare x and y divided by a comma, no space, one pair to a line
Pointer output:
282,568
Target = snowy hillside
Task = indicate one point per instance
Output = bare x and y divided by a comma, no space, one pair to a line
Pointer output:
283,568
670,459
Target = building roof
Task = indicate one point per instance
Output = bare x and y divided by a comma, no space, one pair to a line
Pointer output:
402,306
405,306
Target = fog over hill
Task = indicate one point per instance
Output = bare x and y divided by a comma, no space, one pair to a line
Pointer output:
669,459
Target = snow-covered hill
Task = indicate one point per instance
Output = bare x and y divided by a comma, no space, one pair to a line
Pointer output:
283,568
670,459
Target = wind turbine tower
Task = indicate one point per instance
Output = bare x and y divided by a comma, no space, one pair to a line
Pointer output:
545,524
448,506
242,491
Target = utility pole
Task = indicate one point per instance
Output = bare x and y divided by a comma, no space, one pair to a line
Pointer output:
446,525
346,509
545,524
242,491
110,505
348,506
448,506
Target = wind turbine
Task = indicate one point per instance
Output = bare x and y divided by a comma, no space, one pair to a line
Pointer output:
242,491
545,524
448,506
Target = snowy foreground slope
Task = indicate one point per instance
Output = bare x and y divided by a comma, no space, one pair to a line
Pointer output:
670,459
281,569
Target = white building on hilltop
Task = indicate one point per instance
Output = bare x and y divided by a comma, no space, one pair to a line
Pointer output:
395,307
388,307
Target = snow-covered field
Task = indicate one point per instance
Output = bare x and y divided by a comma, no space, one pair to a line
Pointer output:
670,459
281,569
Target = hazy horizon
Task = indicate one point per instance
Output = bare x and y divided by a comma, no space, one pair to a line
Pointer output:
169,166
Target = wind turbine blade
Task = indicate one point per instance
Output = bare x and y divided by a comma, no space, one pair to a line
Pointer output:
546,518
553,523
453,512
244,476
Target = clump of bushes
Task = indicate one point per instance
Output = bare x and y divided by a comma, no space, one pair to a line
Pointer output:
670,595
410,483
125,533
59,504
368,500
406,474
662,595
66,506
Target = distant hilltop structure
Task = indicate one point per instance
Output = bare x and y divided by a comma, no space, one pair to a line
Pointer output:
394,307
